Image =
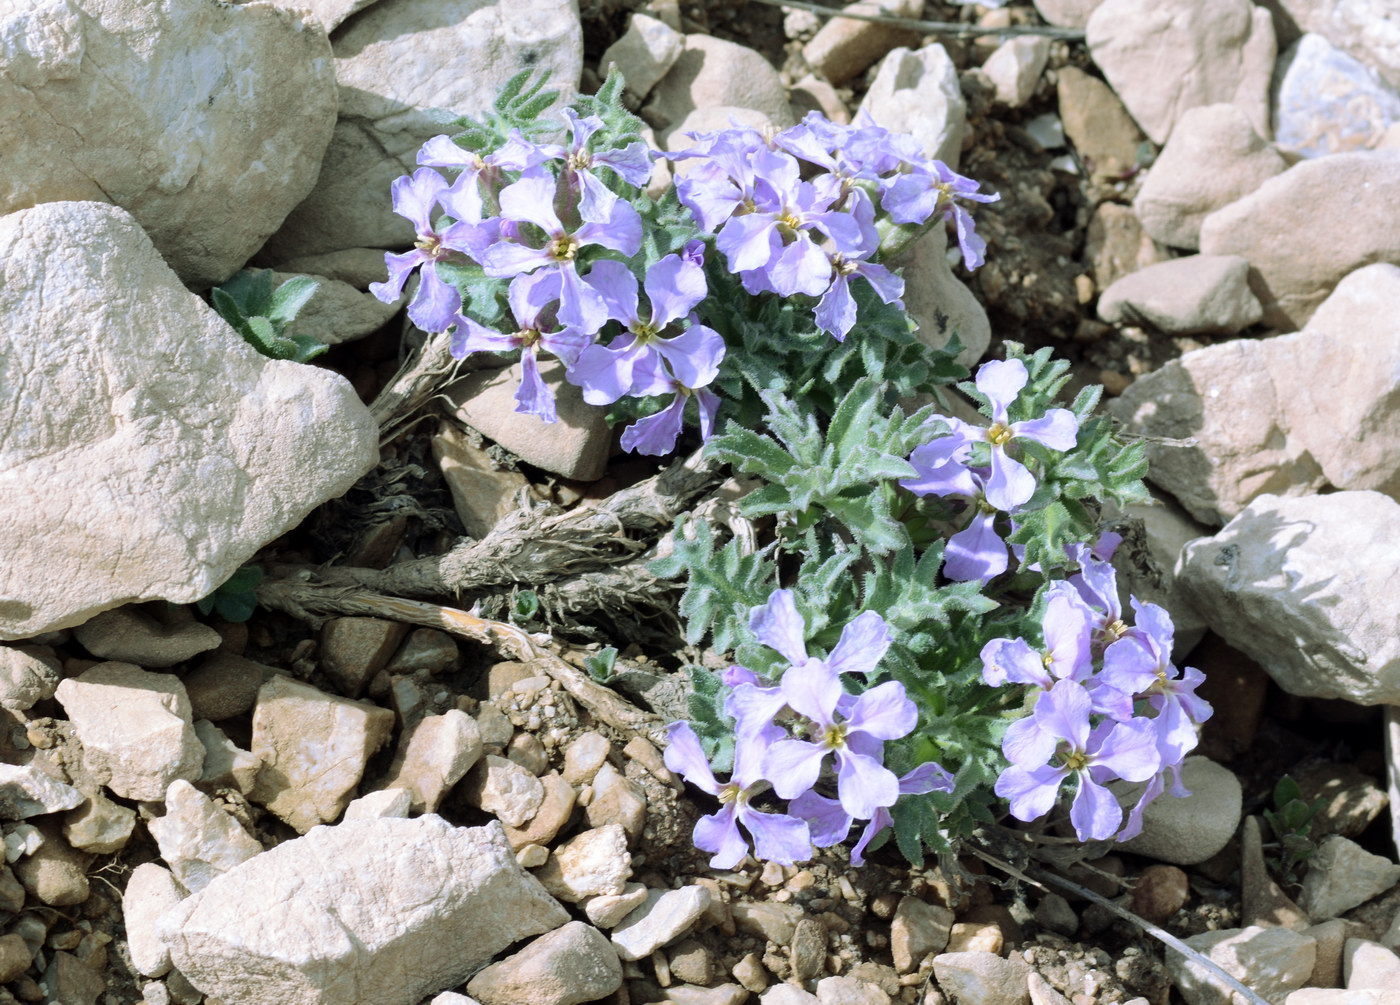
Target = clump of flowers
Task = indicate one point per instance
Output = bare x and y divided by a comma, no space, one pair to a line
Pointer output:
928,638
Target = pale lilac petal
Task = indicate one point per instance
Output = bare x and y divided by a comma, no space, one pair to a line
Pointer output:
650,375
753,707
748,242
674,286
884,712
1057,429
656,435
863,643
632,163
828,822
463,199
434,307
1010,484
604,373
580,305
976,551
618,287
694,355
529,295
1129,750
801,267
835,312
1197,708
793,766
506,258
471,239
1133,827
708,404
887,286
1001,381
846,233
684,757
941,470
737,675
519,154
415,195
1068,627
970,243
1095,814
441,151
566,344
1030,793
927,777
533,396
812,689
778,837
1063,712
752,742
719,833
399,267
472,337
1155,622
779,627
1013,660
532,199
879,822
1027,743
1129,666
863,784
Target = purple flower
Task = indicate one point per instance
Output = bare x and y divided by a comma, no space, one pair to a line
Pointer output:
778,626
777,837
836,311
932,187
435,305
516,155
607,221
977,551
632,162
726,177
530,297
1067,652
655,435
1092,754
830,823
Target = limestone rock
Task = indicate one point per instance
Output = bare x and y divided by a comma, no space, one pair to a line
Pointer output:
439,751
380,804
1326,102
1189,830
482,494
938,302
1163,58
1342,875
313,747
197,839
54,873
1353,210
226,765
405,68
337,312
983,978
644,53
843,48
99,826
584,755
26,791
1198,294
918,929
354,649
1116,245
1066,13
28,675
711,71
1369,965
329,12
1263,902
1281,584
133,635
608,910
1214,157
182,417
1289,415
617,800
662,919
1367,29
576,446
135,728
500,786
916,91
224,685
358,267
248,90
1096,123
1015,67
594,863
570,965
549,819
369,910
1270,961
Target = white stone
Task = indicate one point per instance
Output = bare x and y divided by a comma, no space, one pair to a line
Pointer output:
135,728
1342,875
500,786
27,677
329,12
979,977
439,751
380,804
1269,961
1282,584
608,910
712,72
590,864
583,757
205,122
570,965
843,48
1213,157
313,747
151,891
663,918
26,791
1165,57
1066,13
917,92
368,910
938,302
1015,67
131,634
225,763
99,826
1197,294
1288,415
1369,965
405,69
207,450
644,53
1367,29
1326,102
1185,831
337,312
1352,210
197,839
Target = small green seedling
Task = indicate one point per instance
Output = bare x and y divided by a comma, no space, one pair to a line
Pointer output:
236,599
262,314
600,665
1291,820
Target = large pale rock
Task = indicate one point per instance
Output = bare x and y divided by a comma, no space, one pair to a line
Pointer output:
1066,13
1310,589
405,69
198,839
1269,961
1115,244
644,53
568,966
135,728
338,312
1348,204
916,91
592,864
1326,102
711,72
1214,157
1342,875
1288,415
206,449
27,791
1367,29
1096,123
1015,67
150,892
386,910
1188,830
132,635
663,918
204,121
313,748
939,303
979,977
329,12
1197,294
1165,57
28,675
842,48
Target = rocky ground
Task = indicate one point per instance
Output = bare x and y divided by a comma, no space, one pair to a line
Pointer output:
1200,208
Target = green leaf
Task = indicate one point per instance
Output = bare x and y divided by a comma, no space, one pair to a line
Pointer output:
600,664
289,298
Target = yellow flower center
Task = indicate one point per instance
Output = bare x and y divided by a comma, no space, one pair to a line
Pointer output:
841,267
728,793
1047,658
834,736
579,160
1114,631
429,244
1076,760
645,332
999,434
789,222
563,248
528,337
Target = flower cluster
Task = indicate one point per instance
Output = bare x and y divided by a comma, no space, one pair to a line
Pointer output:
827,728
994,482
1109,705
554,222
787,233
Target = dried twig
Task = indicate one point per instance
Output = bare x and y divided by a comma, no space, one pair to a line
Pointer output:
933,27
422,375
315,603
1039,877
